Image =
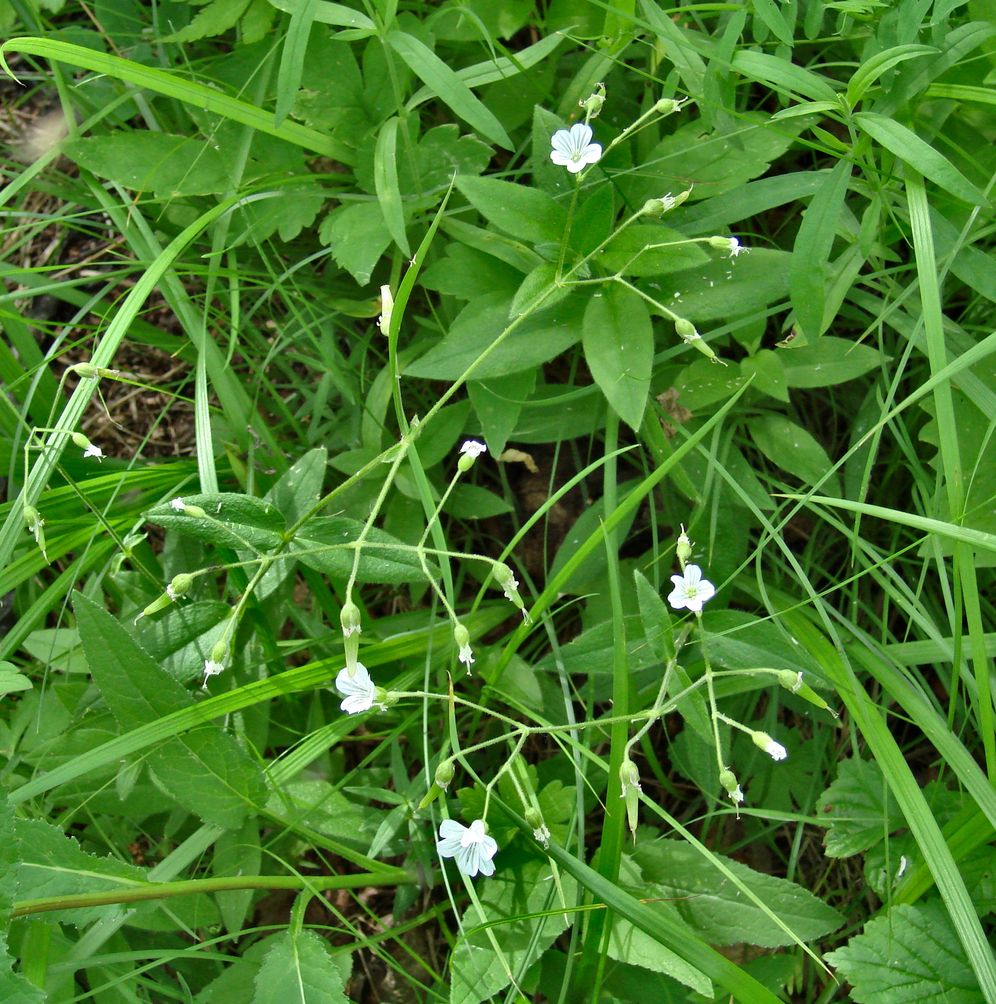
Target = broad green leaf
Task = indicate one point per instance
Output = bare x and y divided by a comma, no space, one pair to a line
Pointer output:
327,12
204,770
180,638
525,213
498,402
909,955
783,75
11,681
298,969
719,911
593,219
237,852
857,809
645,249
811,250
14,988
703,383
739,640
304,805
827,363
214,18
448,87
230,520
793,449
774,19
324,544
618,344
921,156
169,167
680,48
768,373
540,286
358,237
517,897
474,502
300,486
535,340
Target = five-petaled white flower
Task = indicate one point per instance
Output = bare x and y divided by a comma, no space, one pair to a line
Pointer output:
178,504
690,590
472,448
93,450
573,148
470,845
359,690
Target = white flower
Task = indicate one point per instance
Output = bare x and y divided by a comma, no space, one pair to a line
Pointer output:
573,148
472,448
466,656
93,451
774,749
737,795
735,248
178,504
690,589
470,845
359,690
542,835
211,668
511,588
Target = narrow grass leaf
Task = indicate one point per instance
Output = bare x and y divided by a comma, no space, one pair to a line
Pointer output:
782,76
870,70
386,183
292,57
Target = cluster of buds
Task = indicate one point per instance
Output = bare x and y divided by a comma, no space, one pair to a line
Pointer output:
592,104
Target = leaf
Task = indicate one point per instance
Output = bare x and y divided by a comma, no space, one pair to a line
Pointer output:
768,373
204,770
637,251
771,14
873,68
827,363
298,969
299,487
498,402
793,449
386,183
327,12
168,166
323,544
292,57
783,76
215,18
811,250
475,502
618,344
857,809
921,156
358,237
535,340
910,954
231,520
719,911
477,971
630,945
525,213
448,87
11,681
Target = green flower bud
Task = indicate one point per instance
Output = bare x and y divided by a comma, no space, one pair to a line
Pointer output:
34,524
683,549
180,585
667,106
444,774
593,103
219,652
792,682
194,510
534,818
349,618
629,777
774,749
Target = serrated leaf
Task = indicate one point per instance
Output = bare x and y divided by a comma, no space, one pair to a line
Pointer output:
205,770
857,809
911,954
298,969
719,911
168,166
525,213
215,18
232,520
618,341
793,449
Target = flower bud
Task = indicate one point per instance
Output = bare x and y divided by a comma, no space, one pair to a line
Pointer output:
792,682
629,777
386,309
683,549
444,774
34,524
462,638
469,452
180,585
88,448
774,749
593,103
731,786
349,618
667,106
194,510
541,834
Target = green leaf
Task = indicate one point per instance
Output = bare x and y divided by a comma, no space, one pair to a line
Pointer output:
857,809
299,487
618,344
921,156
630,945
498,402
11,681
525,213
169,167
327,12
910,954
539,286
386,183
204,770
323,542
475,502
535,340
783,75
871,69
358,237
517,897
448,87
811,250
292,57
215,18
793,449
231,520
719,911
827,363
768,373
774,19
298,969
637,251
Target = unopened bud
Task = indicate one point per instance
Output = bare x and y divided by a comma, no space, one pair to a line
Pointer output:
667,106
732,787
349,618
541,832
194,510
386,310
34,524
593,103
180,585
774,749
683,549
444,774
792,682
